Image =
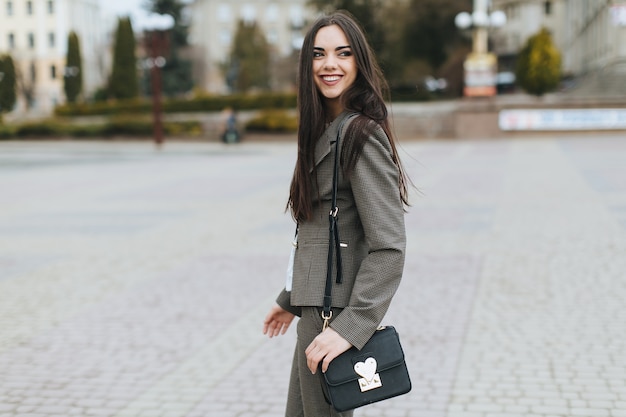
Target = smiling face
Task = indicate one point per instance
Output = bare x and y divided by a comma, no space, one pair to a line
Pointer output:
334,66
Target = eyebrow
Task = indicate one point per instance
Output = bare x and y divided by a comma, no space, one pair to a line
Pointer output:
318,48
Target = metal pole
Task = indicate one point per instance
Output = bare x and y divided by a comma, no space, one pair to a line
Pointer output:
480,32
155,75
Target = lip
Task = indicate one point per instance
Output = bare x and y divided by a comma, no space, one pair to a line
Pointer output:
331,79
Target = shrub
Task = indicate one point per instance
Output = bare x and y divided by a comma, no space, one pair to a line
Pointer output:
539,64
6,132
115,127
41,129
273,121
206,103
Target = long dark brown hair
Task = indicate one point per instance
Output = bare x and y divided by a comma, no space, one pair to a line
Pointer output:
365,96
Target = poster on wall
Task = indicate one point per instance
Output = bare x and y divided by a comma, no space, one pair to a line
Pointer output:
480,75
562,119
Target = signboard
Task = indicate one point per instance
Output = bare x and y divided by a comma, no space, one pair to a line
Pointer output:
562,119
480,75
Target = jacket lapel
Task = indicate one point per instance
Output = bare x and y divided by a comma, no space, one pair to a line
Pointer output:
324,144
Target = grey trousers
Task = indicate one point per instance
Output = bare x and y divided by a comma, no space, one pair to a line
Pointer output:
306,398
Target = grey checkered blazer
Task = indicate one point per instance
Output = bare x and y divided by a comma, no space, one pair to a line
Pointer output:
371,229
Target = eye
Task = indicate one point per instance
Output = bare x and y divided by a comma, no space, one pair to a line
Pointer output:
345,53
317,54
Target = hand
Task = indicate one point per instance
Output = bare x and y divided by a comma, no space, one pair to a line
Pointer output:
324,348
277,321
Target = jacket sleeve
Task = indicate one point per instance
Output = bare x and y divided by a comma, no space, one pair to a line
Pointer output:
284,301
374,184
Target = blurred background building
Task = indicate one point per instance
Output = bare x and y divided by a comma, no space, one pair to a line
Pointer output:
213,25
591,36
35,33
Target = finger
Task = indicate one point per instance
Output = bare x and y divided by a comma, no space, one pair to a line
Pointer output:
266,327
312,364
314,358
327,360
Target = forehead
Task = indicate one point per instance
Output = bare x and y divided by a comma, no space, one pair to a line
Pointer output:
330,36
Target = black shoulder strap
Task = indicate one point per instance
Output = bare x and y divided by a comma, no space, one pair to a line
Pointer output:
333,236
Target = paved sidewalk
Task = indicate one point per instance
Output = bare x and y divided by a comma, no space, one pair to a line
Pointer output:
134,281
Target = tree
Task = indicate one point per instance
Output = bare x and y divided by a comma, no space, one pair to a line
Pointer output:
249,59
177,72
8,85
123,82
367,12
73,74
539,64
430,32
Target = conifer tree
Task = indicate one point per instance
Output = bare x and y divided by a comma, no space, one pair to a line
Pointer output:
177,72
8,85
123,82
539,64
73,74
249,60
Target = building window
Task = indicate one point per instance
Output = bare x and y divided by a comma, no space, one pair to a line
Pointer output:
223,13
31,40
9,8
296,16
53,72
50,7
248,13
272,13
548,8
272,36
29,7
51,40
225,37
11,41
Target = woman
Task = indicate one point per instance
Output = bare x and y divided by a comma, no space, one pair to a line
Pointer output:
340,81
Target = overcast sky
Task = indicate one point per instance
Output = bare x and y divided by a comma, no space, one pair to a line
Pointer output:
130,8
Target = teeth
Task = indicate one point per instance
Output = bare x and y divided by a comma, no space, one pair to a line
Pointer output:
331,78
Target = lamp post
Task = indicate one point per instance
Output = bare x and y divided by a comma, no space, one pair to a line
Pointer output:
480,66
1,78
156,27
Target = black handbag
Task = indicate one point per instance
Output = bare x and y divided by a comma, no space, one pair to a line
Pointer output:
378,371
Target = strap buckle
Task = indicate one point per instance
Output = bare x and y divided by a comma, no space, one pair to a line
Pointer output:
326,319
333,212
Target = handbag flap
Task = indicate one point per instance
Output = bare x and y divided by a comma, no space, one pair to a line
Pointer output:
384,346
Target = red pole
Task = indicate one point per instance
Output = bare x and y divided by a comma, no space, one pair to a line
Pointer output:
155,75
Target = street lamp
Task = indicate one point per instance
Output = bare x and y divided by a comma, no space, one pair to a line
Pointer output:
156,27
1,77
480,66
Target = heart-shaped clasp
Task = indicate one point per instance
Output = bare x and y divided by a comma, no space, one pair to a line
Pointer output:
367,370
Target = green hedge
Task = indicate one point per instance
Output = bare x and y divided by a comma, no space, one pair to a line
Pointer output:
198,104
115,127
273,120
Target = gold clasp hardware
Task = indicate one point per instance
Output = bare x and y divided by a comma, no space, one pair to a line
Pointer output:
326,319
334,212
370,379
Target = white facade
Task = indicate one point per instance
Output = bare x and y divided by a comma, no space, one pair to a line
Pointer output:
595,34
213,24
35,33
588,33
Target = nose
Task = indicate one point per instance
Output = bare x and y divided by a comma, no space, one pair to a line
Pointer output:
330,62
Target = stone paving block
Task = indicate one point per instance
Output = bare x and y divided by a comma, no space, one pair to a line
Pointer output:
127,296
